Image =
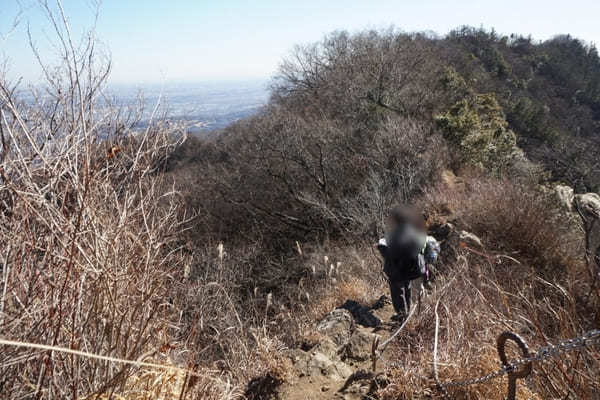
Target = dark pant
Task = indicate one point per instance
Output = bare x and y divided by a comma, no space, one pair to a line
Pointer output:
400,291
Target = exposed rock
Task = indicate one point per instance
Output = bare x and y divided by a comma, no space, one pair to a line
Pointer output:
470,239
319,362
452,239
323,360
359,385
588,204
338,325
334,365
448,232
362,315
328,349
448,236
565,196
359,346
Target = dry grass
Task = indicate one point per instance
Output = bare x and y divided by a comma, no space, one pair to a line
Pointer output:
474,311
538,292
88,233
151,384
482,296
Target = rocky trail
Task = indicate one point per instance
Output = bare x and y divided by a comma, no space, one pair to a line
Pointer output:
339,364
336,363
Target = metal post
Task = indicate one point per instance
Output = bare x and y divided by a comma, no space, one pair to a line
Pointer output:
513,374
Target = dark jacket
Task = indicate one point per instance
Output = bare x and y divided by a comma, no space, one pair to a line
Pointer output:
403,254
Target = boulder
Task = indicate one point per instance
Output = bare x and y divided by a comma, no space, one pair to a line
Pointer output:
565,196
320,363
451,239
588,204
359,346
322,360
328,348
338,326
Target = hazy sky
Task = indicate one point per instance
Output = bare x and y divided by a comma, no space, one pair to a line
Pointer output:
194,40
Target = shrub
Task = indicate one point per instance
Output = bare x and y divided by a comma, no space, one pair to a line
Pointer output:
88,233
515,219
477,128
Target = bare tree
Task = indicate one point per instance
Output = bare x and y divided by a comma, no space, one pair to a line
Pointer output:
351,75
87,226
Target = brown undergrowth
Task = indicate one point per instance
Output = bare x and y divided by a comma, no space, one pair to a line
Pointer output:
529,279
523,280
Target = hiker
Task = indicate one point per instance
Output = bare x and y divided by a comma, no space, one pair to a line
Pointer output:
406,252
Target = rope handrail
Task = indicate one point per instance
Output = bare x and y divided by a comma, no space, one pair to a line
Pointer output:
79,353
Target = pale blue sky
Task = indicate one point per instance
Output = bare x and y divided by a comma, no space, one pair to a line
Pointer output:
197,40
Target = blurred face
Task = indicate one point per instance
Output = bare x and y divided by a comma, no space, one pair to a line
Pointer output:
406,216
393,223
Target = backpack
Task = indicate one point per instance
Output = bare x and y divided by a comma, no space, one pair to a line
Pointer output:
405,254
432,250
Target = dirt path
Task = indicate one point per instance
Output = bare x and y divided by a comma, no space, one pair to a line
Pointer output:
339,365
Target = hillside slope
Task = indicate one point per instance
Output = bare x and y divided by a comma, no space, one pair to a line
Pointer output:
476,129
136,267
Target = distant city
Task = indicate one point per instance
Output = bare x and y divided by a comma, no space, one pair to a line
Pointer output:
204,106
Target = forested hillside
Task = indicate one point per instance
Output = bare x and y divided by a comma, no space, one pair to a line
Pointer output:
549,92
358,122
